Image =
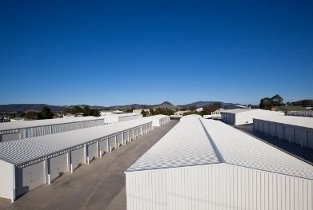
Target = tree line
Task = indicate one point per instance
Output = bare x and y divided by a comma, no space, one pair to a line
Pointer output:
271,102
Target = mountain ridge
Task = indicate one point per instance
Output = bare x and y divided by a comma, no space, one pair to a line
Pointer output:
8,108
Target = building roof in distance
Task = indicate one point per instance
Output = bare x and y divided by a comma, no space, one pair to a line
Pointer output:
36,123
290,120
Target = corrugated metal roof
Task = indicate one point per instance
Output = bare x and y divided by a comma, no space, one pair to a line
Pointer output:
234,111
23,150
241,149
290,120
36,123
186,144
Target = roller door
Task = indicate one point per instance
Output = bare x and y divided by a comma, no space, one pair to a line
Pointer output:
266,128
272,129
119,139
279,131
131,134
310,139
104,147
300,136
30,177
92,151
58,166
77,157
111,143
125,136
289,133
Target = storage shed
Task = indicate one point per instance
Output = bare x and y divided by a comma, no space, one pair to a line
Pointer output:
160,119
217,167
298,130
27,129
113,118
245,116
28,163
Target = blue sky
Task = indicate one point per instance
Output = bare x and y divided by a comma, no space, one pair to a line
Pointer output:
115,52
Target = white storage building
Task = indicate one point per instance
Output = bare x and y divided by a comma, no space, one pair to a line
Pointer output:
217,167
113,118
27,129
244,116
29,163
160,119
298,130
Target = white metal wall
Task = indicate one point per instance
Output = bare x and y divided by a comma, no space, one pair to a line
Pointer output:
228,118
298,135
218,187
6,180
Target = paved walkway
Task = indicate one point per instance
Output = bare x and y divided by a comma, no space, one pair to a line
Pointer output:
100,185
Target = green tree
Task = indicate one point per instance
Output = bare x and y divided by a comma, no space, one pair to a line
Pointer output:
193,108
90,112
32,115
151,110
269,103
277,100
144,113
45,113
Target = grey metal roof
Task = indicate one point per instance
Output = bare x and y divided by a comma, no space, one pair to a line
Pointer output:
36,123
29,149
200,141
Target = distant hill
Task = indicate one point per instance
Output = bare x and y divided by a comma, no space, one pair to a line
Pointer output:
38,107
199,104
304,103
27,107
166,104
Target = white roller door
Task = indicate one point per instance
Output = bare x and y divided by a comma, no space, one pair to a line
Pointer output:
119,139
58,166
30,177
300,136
92,151
289,133
104,146
279,131
77,157
111,143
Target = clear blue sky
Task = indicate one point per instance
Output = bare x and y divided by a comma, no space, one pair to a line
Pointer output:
114,52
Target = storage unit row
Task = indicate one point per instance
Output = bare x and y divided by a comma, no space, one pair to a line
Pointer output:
28,163
297,134
26,129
